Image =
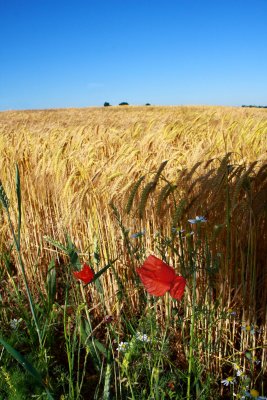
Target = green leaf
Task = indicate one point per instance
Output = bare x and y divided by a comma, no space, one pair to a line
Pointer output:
100,347
72,252
89,343
99,273
51,283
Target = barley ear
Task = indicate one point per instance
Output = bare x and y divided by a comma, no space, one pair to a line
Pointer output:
178,213
134,190
3,197
144,197
159,171
164,193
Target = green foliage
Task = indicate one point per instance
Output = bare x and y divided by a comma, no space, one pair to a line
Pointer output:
23,379
51,284
16,384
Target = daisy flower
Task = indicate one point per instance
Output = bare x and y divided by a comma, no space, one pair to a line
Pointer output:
230,380
238,369
248,329
254,394
123,346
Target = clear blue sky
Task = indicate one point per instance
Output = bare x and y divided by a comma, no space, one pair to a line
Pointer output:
57,53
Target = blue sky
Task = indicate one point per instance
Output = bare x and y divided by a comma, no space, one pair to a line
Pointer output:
82,53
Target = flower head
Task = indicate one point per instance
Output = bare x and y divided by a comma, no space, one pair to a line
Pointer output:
197,220
238,369
256,360
188,235
248,329
14,323
232,312
123,346
254,393
229,380
86,274
142,337
158,278
138,234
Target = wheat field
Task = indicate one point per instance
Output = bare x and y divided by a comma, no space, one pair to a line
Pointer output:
95,172
74,162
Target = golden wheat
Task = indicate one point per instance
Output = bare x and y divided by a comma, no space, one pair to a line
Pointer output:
74,162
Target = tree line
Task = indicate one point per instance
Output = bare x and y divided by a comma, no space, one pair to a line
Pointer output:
123,103
254,106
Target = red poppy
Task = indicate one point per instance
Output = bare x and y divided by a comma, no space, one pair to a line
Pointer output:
86,274
158,278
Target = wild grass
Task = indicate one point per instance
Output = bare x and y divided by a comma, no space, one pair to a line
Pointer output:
109,187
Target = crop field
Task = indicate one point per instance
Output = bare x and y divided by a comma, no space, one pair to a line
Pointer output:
87,196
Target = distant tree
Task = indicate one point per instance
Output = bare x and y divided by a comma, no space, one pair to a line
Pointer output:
106,104
254,106
148,104
123,104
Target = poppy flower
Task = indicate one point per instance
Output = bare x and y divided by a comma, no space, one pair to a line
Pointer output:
158,278
86,274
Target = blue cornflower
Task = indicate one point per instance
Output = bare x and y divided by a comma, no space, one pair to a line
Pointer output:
138,234
197,220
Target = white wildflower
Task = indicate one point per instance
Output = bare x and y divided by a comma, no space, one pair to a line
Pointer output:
230,380
14,323
142,337
123,346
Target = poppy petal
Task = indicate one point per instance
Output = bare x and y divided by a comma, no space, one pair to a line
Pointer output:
86,274
160,270
153,285
156,276
178,287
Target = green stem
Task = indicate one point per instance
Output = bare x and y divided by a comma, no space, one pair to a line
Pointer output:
67,336
17,245
191,346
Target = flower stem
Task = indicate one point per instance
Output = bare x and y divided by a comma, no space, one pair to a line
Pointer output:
191,345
